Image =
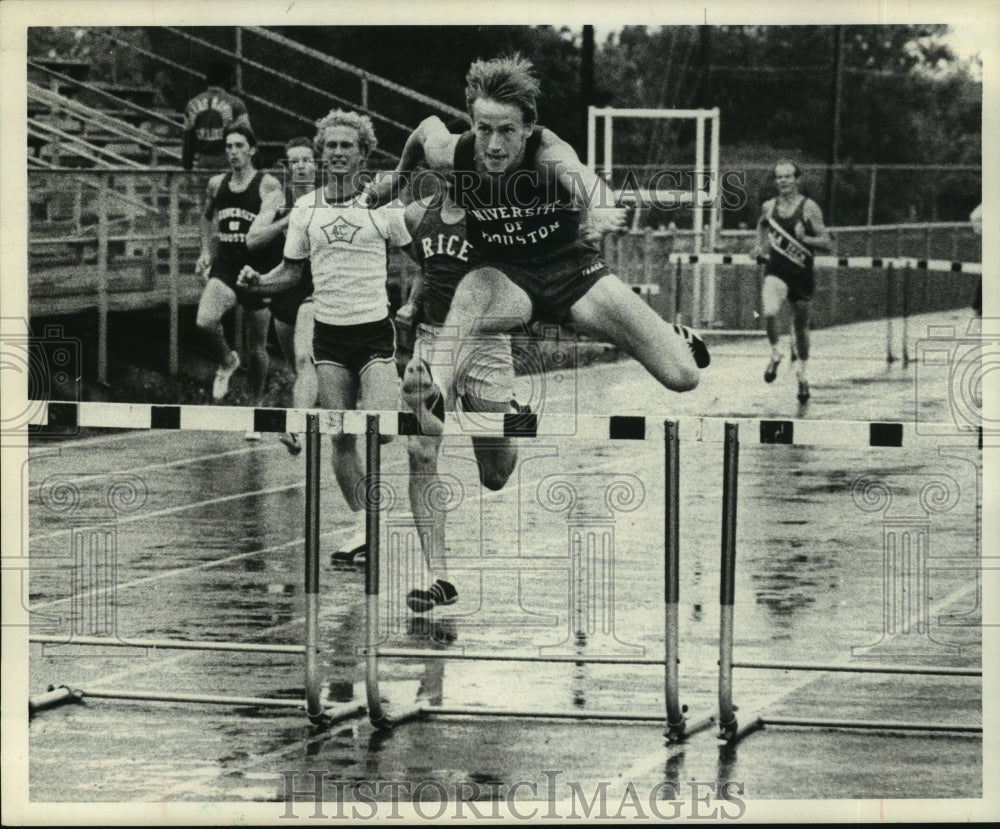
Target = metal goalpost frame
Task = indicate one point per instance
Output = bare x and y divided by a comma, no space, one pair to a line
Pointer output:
703,285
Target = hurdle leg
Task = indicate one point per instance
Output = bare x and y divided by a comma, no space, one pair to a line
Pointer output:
678,727
890,291
372,469
671,588
727,585
314,707
730,731
906,314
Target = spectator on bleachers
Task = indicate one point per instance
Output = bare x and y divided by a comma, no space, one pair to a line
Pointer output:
206,117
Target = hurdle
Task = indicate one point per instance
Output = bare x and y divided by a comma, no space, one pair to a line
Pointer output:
214,419
730,730
678,727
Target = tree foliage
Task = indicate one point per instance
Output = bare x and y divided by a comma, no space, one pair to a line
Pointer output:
904,97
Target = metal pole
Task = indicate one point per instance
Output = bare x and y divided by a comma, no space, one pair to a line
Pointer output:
591,139
906,314
608,161
102,281
372,471
239,60
677,293
871,199
174,276
890,301
671,579
697,310
727,583
164,644
314,707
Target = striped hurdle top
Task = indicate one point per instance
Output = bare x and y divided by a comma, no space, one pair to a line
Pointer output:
57,418
897,262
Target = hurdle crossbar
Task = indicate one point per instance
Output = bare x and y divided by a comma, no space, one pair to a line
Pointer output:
56,415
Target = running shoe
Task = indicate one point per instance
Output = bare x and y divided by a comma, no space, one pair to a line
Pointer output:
252,435
352,551
222,374
291,441
697,345
772,368
803,391
441,593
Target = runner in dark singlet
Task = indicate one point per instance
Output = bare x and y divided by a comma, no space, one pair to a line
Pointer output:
790,229
233,201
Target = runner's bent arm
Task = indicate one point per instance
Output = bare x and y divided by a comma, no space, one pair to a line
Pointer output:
430,142
813,217
287,274
207,226
763,243
266,227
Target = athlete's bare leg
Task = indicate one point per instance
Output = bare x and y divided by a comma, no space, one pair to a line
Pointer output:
485,301
217,299
256,323
612,312
338,389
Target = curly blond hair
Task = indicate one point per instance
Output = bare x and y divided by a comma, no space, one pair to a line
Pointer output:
339,118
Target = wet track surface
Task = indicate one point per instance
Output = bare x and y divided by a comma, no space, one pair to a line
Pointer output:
209,547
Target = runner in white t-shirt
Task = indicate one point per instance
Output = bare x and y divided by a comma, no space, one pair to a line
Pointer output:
345,243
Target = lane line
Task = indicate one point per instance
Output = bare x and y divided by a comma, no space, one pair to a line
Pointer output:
172,510
89,477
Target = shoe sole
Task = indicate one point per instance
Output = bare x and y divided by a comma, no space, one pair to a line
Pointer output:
293,446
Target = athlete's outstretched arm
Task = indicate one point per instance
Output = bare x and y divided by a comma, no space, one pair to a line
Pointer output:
587,189
430,142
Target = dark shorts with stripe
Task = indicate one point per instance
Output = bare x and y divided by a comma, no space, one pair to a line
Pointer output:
285,306
555,283
801,286
353,346
227,273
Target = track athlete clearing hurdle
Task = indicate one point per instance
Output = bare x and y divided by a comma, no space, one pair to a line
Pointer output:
527,196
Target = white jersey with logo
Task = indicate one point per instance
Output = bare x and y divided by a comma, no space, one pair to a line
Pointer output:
345,244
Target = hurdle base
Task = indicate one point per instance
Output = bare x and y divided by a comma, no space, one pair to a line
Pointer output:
386,722
54,697
677,733
333,714
732,732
